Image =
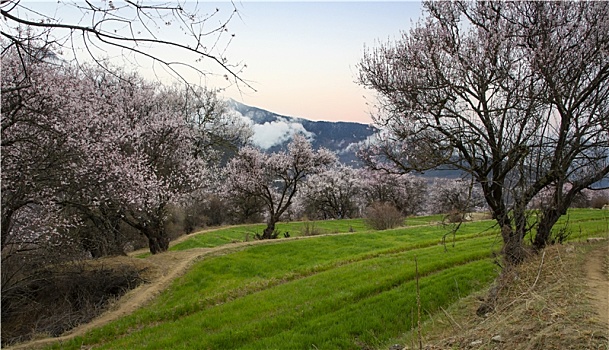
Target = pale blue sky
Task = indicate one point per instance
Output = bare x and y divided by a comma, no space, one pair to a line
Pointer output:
301,57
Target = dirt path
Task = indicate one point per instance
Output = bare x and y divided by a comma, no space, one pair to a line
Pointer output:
597,280
163,269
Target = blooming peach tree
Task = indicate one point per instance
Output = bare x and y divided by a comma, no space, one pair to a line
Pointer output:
405,192
513,94
93,143
333,194
275,178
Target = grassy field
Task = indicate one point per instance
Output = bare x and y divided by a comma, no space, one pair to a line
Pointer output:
295,229
344,291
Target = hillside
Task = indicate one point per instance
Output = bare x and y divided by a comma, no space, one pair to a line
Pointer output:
327,291
272,133
557,300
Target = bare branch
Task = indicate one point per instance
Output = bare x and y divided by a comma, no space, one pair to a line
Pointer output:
133,41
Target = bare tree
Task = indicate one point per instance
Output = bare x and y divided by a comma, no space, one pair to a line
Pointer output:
137,29
501,92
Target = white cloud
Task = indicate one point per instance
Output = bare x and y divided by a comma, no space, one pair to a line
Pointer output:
354,146
274,133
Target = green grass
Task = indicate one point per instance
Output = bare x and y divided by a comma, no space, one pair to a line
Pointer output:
286,317
273,302
333,292
242,233
580,224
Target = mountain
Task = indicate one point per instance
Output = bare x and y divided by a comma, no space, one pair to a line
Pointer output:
272,132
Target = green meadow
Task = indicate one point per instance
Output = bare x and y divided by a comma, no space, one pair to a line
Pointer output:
334,291
244,233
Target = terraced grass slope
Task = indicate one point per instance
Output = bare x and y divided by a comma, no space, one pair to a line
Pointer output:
350,291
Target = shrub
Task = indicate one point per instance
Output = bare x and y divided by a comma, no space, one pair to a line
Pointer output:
599,201
309,228
202,211
174,223
61,298
260,236
383,216
455,216
560,235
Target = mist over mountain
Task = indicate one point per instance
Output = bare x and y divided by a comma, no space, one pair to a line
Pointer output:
272,132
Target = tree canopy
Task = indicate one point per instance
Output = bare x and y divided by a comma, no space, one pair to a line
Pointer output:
275,178
514,94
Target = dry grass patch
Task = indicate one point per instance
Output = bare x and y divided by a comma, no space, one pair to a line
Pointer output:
545,303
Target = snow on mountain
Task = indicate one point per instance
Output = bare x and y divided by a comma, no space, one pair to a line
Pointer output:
272,132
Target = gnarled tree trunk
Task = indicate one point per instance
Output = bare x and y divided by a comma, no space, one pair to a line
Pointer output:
513,250
268,232
154,230
157,241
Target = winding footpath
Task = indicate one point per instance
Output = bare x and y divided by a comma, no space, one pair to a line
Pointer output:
597,281
167,267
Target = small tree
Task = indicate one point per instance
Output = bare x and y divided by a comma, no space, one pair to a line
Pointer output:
453,196
275,178
405,192
333,194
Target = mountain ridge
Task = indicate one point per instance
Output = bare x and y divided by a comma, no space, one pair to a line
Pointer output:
272,132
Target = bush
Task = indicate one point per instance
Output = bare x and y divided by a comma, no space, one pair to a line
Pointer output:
599,201
455,216
383,216
274,235
309,228
174,223
203,211
61,298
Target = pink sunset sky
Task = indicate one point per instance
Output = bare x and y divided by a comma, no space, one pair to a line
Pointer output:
302,56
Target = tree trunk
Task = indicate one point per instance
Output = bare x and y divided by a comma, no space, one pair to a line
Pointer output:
513,228
549,217
513,251
268,232
157,237
157,240
153,227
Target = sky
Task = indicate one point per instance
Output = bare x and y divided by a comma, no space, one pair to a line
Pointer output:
301,57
